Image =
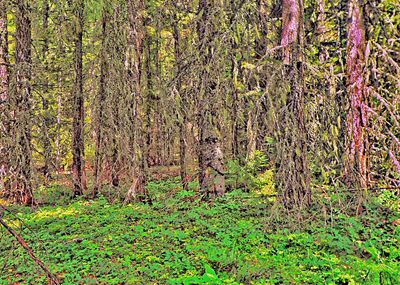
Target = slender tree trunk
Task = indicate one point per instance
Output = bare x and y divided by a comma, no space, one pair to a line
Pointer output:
4,103
100,105
182,120
211,177
356,173
22,191
235,120
155,98
4,77
78,165
58,136
47,152
251,134
135,41
293,172
234,77
148,102
341,93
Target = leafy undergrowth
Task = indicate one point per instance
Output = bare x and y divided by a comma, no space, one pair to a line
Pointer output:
180,240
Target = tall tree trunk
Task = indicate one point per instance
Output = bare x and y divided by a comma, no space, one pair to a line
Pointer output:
235,66
293,172
22,191
4,103
211,177
341,94
135,41
261,46
356,173
58,125
148,102
78,165
98,159
47,152
182,112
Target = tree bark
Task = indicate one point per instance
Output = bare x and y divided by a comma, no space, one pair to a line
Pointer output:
235,66
100,107
4,103
211,163
22,191
183,118
356,173
47,151
148,102
78,164
136,37
293,172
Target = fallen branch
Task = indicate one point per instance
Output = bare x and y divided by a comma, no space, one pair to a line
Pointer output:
53,279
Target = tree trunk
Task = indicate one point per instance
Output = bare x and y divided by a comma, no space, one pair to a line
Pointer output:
251,134
100,105
148,104
356,173
58,125
136,37
47,152
22,191
182,112
211,164
293,172
235,66
4,103
78,165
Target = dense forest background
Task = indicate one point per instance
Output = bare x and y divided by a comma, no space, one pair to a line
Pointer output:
290,108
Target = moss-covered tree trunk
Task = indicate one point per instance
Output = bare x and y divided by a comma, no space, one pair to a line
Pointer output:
78,165
183,105
293,172
46,120
211,164
136,36
22,186
4,104
98,159
356,173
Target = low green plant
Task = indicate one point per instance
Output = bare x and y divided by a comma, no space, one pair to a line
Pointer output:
254,175
177,240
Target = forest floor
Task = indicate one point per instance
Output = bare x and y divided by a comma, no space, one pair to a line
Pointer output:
237,239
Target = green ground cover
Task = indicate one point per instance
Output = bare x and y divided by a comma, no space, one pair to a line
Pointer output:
180,240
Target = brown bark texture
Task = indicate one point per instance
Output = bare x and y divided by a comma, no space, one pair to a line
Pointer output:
292,173
4,104
78,164
212,173
356,173
136,36
21,182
